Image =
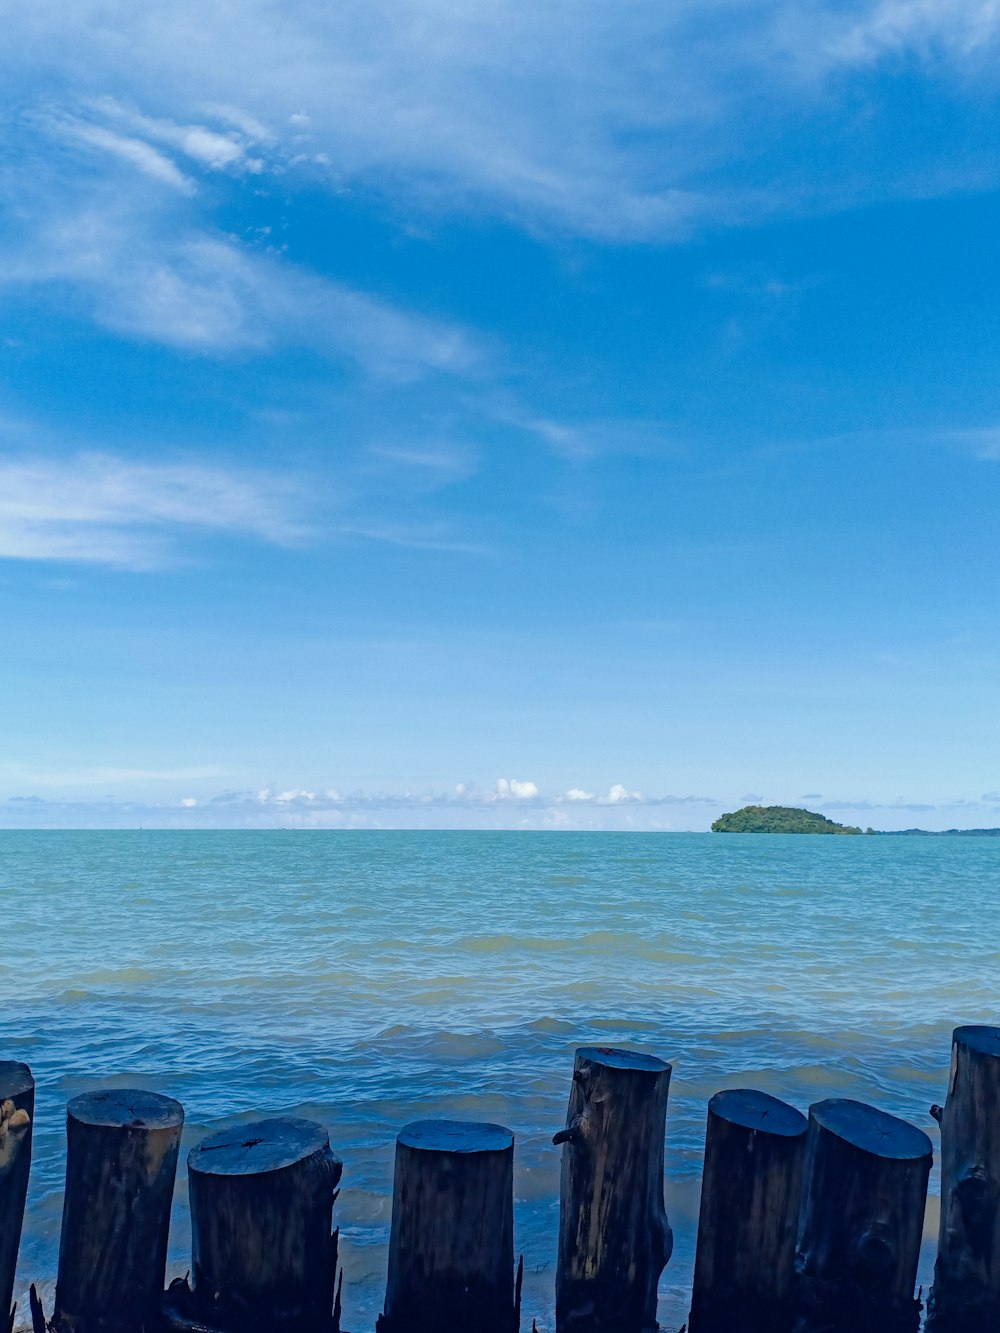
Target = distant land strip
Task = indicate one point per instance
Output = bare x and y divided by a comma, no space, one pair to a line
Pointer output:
794,819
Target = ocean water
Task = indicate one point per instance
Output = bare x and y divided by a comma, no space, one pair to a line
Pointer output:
368,979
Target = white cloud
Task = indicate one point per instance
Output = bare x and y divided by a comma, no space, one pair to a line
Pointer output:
512,789
99,509
125,132
210,148
618,793
254,130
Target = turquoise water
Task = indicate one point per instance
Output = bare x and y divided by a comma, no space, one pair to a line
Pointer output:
368,979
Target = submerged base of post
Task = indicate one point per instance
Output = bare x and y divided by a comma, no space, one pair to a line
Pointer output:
959,1312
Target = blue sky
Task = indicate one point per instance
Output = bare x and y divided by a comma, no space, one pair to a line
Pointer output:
551,415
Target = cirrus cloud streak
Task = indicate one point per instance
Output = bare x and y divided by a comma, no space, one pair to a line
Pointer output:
97,509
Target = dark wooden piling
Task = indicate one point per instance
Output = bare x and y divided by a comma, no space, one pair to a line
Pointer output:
451,1248
861,1220
17,1111
120,1165
744,1273
263,1255
614,1239
966,1293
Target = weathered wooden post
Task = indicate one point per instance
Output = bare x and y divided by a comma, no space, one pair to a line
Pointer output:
121,1161
861,1220
17,1111
744,1273
451,1248
261,1198
614,1239
965,1297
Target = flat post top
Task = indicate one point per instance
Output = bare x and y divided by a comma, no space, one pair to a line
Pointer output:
758,1111
983,1040
455,1136
614,1057
871,1130
15,1079
126,1108
258,1146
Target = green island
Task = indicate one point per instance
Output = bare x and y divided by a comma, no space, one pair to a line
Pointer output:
778,819
793,819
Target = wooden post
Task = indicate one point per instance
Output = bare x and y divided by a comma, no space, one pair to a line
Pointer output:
451,1248
966,1293
261,1217
614,1239
744,1272
861,1220
17,1111
121,1161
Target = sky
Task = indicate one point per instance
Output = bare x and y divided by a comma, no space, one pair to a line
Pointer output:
550,415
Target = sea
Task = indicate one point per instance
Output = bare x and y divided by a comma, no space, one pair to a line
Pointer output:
368,979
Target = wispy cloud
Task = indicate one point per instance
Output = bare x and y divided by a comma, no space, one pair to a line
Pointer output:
98,509
208,147
200,291
431,535
142,155
233,144
108,776
613,121
580,441
955,29
618,124
433,464
982,442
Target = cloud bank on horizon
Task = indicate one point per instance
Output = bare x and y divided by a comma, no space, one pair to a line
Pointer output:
508,805
433,389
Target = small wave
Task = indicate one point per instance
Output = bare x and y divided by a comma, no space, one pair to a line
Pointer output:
119,976
510,943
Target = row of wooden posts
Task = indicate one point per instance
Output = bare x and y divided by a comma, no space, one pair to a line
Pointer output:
813,1225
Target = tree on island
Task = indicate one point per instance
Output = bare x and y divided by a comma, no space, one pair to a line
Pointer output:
777,819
